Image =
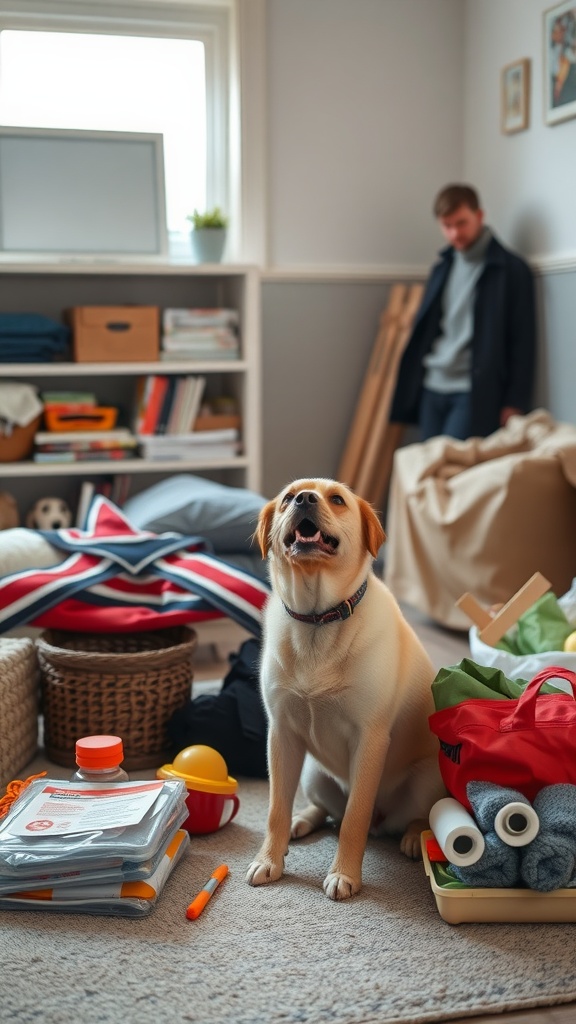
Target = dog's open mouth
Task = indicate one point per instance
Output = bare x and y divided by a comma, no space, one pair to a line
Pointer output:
306,537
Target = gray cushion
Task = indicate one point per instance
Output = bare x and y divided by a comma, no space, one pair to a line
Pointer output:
226,516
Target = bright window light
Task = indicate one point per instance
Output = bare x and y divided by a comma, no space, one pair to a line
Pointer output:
114,83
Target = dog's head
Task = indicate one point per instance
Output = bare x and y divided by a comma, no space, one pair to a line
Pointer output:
49,514
319,525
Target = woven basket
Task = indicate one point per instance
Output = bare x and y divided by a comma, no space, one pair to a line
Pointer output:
18,706
19,444
127,684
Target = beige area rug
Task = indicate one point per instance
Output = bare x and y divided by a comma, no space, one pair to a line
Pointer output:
282,954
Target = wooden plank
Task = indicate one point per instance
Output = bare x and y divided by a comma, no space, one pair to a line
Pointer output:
474,610
392,441
523,599
372,386
369,480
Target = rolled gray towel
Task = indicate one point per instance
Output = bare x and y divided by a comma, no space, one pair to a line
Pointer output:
499,865
549,862
486,799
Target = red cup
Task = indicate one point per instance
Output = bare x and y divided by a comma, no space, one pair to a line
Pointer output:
207,812
211,793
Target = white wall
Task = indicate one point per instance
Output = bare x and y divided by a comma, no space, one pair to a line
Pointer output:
365,123
527,179
373,105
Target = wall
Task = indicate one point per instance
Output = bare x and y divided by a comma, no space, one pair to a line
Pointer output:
372,106
526,179
365,120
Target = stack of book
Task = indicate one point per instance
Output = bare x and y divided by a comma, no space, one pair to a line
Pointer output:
96,848
201,445
200,334
168,404
84,445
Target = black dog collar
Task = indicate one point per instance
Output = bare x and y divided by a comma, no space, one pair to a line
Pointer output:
342,611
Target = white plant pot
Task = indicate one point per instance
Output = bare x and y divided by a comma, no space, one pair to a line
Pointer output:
208,244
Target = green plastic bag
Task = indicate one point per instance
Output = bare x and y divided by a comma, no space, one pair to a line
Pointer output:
544,627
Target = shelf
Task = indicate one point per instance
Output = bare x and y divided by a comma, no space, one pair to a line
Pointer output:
120,369
96,467
51,286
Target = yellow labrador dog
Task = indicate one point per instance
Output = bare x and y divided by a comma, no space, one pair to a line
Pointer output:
346,684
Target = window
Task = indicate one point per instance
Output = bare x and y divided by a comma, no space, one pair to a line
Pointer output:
160,69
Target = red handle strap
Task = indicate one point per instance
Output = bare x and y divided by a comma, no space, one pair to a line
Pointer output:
525,711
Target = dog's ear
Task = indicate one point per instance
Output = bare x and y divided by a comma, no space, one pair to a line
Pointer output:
262,532
374,535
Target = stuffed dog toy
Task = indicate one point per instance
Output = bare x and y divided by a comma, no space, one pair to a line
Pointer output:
49,514
346,684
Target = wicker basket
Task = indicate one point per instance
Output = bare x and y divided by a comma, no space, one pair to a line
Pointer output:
18,706
128,684
19,444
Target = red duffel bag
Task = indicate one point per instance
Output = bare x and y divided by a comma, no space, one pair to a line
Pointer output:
525,744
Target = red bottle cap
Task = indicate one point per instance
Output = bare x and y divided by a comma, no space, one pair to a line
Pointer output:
99,751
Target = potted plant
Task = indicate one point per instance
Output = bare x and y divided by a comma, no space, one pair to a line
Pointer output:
208,235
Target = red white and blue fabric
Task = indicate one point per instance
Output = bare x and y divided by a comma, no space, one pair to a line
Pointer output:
121,579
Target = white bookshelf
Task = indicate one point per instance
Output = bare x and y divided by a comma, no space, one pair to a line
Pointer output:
51,286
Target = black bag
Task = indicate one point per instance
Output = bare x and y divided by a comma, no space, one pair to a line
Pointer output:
233,721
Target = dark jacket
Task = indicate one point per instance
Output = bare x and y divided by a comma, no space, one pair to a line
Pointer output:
503,344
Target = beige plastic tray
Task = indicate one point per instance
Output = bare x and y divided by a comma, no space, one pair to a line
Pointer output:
505,905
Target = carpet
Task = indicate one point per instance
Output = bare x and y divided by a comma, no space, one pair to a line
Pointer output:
282,954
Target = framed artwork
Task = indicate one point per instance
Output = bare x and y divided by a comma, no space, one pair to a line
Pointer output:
560,62
515,96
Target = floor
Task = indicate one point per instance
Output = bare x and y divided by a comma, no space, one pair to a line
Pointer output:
445,647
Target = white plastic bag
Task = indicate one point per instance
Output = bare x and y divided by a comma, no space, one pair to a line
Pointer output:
525,666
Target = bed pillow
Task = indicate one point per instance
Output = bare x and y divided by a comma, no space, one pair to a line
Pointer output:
225,516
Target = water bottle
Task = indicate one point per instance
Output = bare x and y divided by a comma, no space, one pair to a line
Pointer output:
99,759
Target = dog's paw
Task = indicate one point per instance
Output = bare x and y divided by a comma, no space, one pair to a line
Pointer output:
340,887
261,872
307,821
410,842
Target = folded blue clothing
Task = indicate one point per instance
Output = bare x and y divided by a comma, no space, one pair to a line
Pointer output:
549,862
35,325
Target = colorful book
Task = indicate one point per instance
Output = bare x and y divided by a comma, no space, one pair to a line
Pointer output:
154,406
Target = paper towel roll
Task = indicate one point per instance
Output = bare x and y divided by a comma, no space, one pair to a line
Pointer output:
457,834
517,823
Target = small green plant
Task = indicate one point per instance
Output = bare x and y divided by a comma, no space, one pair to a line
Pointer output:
210,219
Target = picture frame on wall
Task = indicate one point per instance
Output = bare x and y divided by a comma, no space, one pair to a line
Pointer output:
560,62
515,82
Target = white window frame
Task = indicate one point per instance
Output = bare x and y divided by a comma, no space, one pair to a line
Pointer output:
233,35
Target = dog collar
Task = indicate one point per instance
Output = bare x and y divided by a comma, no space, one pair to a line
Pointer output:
342,611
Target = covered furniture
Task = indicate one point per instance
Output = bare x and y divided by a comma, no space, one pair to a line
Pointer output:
482,515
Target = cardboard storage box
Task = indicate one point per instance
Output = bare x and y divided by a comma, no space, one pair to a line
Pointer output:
115,334
457,906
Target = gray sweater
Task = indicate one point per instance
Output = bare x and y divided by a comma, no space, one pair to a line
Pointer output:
448,364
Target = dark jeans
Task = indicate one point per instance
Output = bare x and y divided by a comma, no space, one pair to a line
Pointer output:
445,413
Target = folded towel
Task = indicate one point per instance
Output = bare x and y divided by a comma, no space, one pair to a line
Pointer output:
549,862
499,865
486,799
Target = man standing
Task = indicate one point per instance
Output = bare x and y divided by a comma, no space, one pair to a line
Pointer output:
469,364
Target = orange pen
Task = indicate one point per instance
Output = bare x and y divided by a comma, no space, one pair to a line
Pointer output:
200,901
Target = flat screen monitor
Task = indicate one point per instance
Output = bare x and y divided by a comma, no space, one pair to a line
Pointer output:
82,192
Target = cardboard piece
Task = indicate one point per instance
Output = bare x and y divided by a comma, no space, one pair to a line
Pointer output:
491,628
